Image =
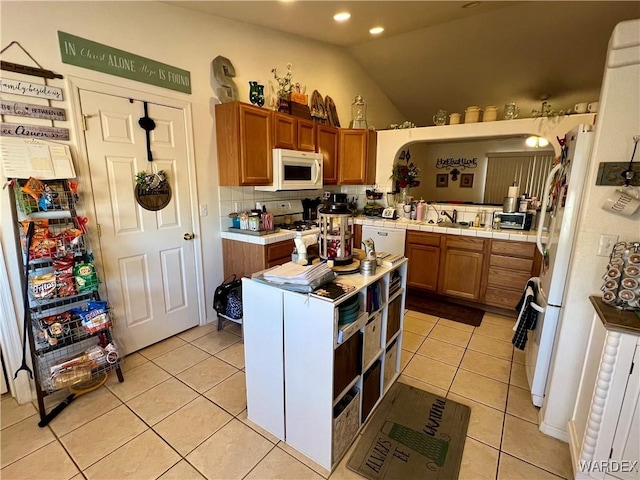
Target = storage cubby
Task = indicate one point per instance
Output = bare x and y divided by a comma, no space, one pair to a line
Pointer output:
311,378
372,338
370,388
346,364
346,422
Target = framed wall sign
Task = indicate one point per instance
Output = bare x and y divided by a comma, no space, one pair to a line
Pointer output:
466,180
33,131
442,180
28,89
113,61
19,109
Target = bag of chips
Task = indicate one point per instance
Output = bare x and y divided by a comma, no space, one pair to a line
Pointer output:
42,286
86,278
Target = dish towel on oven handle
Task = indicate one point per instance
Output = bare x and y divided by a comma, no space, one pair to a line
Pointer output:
528,313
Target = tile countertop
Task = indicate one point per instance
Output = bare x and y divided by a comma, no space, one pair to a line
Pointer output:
401,223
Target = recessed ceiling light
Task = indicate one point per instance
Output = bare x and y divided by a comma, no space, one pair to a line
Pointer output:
376,30
342,16
470,4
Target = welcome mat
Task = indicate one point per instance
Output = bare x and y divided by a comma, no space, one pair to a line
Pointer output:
412,435
439,308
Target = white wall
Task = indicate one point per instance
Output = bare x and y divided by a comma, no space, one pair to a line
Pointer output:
618,121
189,41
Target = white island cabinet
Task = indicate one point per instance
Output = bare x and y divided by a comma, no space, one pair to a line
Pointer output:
605,426
310,381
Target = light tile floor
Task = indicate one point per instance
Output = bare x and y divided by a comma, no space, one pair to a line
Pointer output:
181,413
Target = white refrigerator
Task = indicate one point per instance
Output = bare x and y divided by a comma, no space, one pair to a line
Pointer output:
561,202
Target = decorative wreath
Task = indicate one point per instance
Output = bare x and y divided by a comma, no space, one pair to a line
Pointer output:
150,182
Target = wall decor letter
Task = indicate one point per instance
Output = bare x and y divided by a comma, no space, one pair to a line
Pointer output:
224,72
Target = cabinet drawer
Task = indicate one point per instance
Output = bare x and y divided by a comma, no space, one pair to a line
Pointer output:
423,238
346,365
522,264
499,297
513,280
279,250
515,249
465,243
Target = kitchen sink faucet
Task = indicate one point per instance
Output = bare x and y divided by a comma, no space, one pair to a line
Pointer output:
453,218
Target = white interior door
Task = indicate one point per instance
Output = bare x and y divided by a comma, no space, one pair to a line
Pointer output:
149,266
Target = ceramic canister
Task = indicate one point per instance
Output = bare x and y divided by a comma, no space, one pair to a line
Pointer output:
471,114
490,114
454,119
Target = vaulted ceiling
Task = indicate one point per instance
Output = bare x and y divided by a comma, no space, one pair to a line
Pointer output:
438,55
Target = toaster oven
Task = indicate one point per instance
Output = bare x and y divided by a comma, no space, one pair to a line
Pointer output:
515,220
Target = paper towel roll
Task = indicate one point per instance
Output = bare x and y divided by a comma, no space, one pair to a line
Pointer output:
513,191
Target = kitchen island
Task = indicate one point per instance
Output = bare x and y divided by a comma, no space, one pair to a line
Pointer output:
311,381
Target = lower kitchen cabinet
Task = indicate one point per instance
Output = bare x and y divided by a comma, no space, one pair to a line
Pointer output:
243,259
511,264
423,251
604,430
330,377
462,266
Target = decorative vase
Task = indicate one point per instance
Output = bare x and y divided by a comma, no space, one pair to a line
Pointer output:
256,93
404,195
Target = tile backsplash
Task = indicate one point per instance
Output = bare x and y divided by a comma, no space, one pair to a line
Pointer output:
238,199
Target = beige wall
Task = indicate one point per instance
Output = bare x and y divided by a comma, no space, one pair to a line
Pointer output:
189,41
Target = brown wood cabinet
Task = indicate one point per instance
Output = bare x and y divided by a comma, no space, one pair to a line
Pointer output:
244,137
293,133
327,145
423,251
243,259
511,264
357,157
462,267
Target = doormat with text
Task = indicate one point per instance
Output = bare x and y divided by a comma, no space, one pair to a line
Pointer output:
440,308
412,434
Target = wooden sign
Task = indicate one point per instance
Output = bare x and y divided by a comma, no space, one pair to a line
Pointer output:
102,58
30,110
33,131
461,163
27,89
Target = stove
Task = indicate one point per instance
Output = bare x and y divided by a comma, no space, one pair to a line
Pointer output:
287,215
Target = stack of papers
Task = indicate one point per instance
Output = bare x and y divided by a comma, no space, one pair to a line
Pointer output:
294,273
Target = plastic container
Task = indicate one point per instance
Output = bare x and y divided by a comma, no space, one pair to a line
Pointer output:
420,210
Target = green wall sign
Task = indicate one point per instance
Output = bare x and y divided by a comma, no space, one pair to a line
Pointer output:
102,58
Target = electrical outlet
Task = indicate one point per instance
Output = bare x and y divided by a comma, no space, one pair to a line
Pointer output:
606,244
238,206
204,210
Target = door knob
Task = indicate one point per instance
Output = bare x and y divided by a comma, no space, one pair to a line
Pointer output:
188,236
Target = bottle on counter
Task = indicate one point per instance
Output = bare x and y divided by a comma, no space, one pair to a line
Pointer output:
476,222
420,210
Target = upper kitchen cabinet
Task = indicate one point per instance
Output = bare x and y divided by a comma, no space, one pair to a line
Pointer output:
244,135
327,142
293,133
357,157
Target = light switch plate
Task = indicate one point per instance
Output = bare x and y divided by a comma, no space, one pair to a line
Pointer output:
606,244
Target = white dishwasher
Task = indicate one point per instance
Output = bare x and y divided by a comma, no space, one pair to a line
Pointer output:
390,240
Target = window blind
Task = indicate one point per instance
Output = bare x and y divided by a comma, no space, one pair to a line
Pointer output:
529,171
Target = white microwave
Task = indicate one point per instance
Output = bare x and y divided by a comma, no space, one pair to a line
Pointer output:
294,170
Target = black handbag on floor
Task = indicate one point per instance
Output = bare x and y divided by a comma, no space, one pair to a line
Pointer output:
227,299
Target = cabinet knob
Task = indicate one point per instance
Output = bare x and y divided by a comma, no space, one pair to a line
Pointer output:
188,236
